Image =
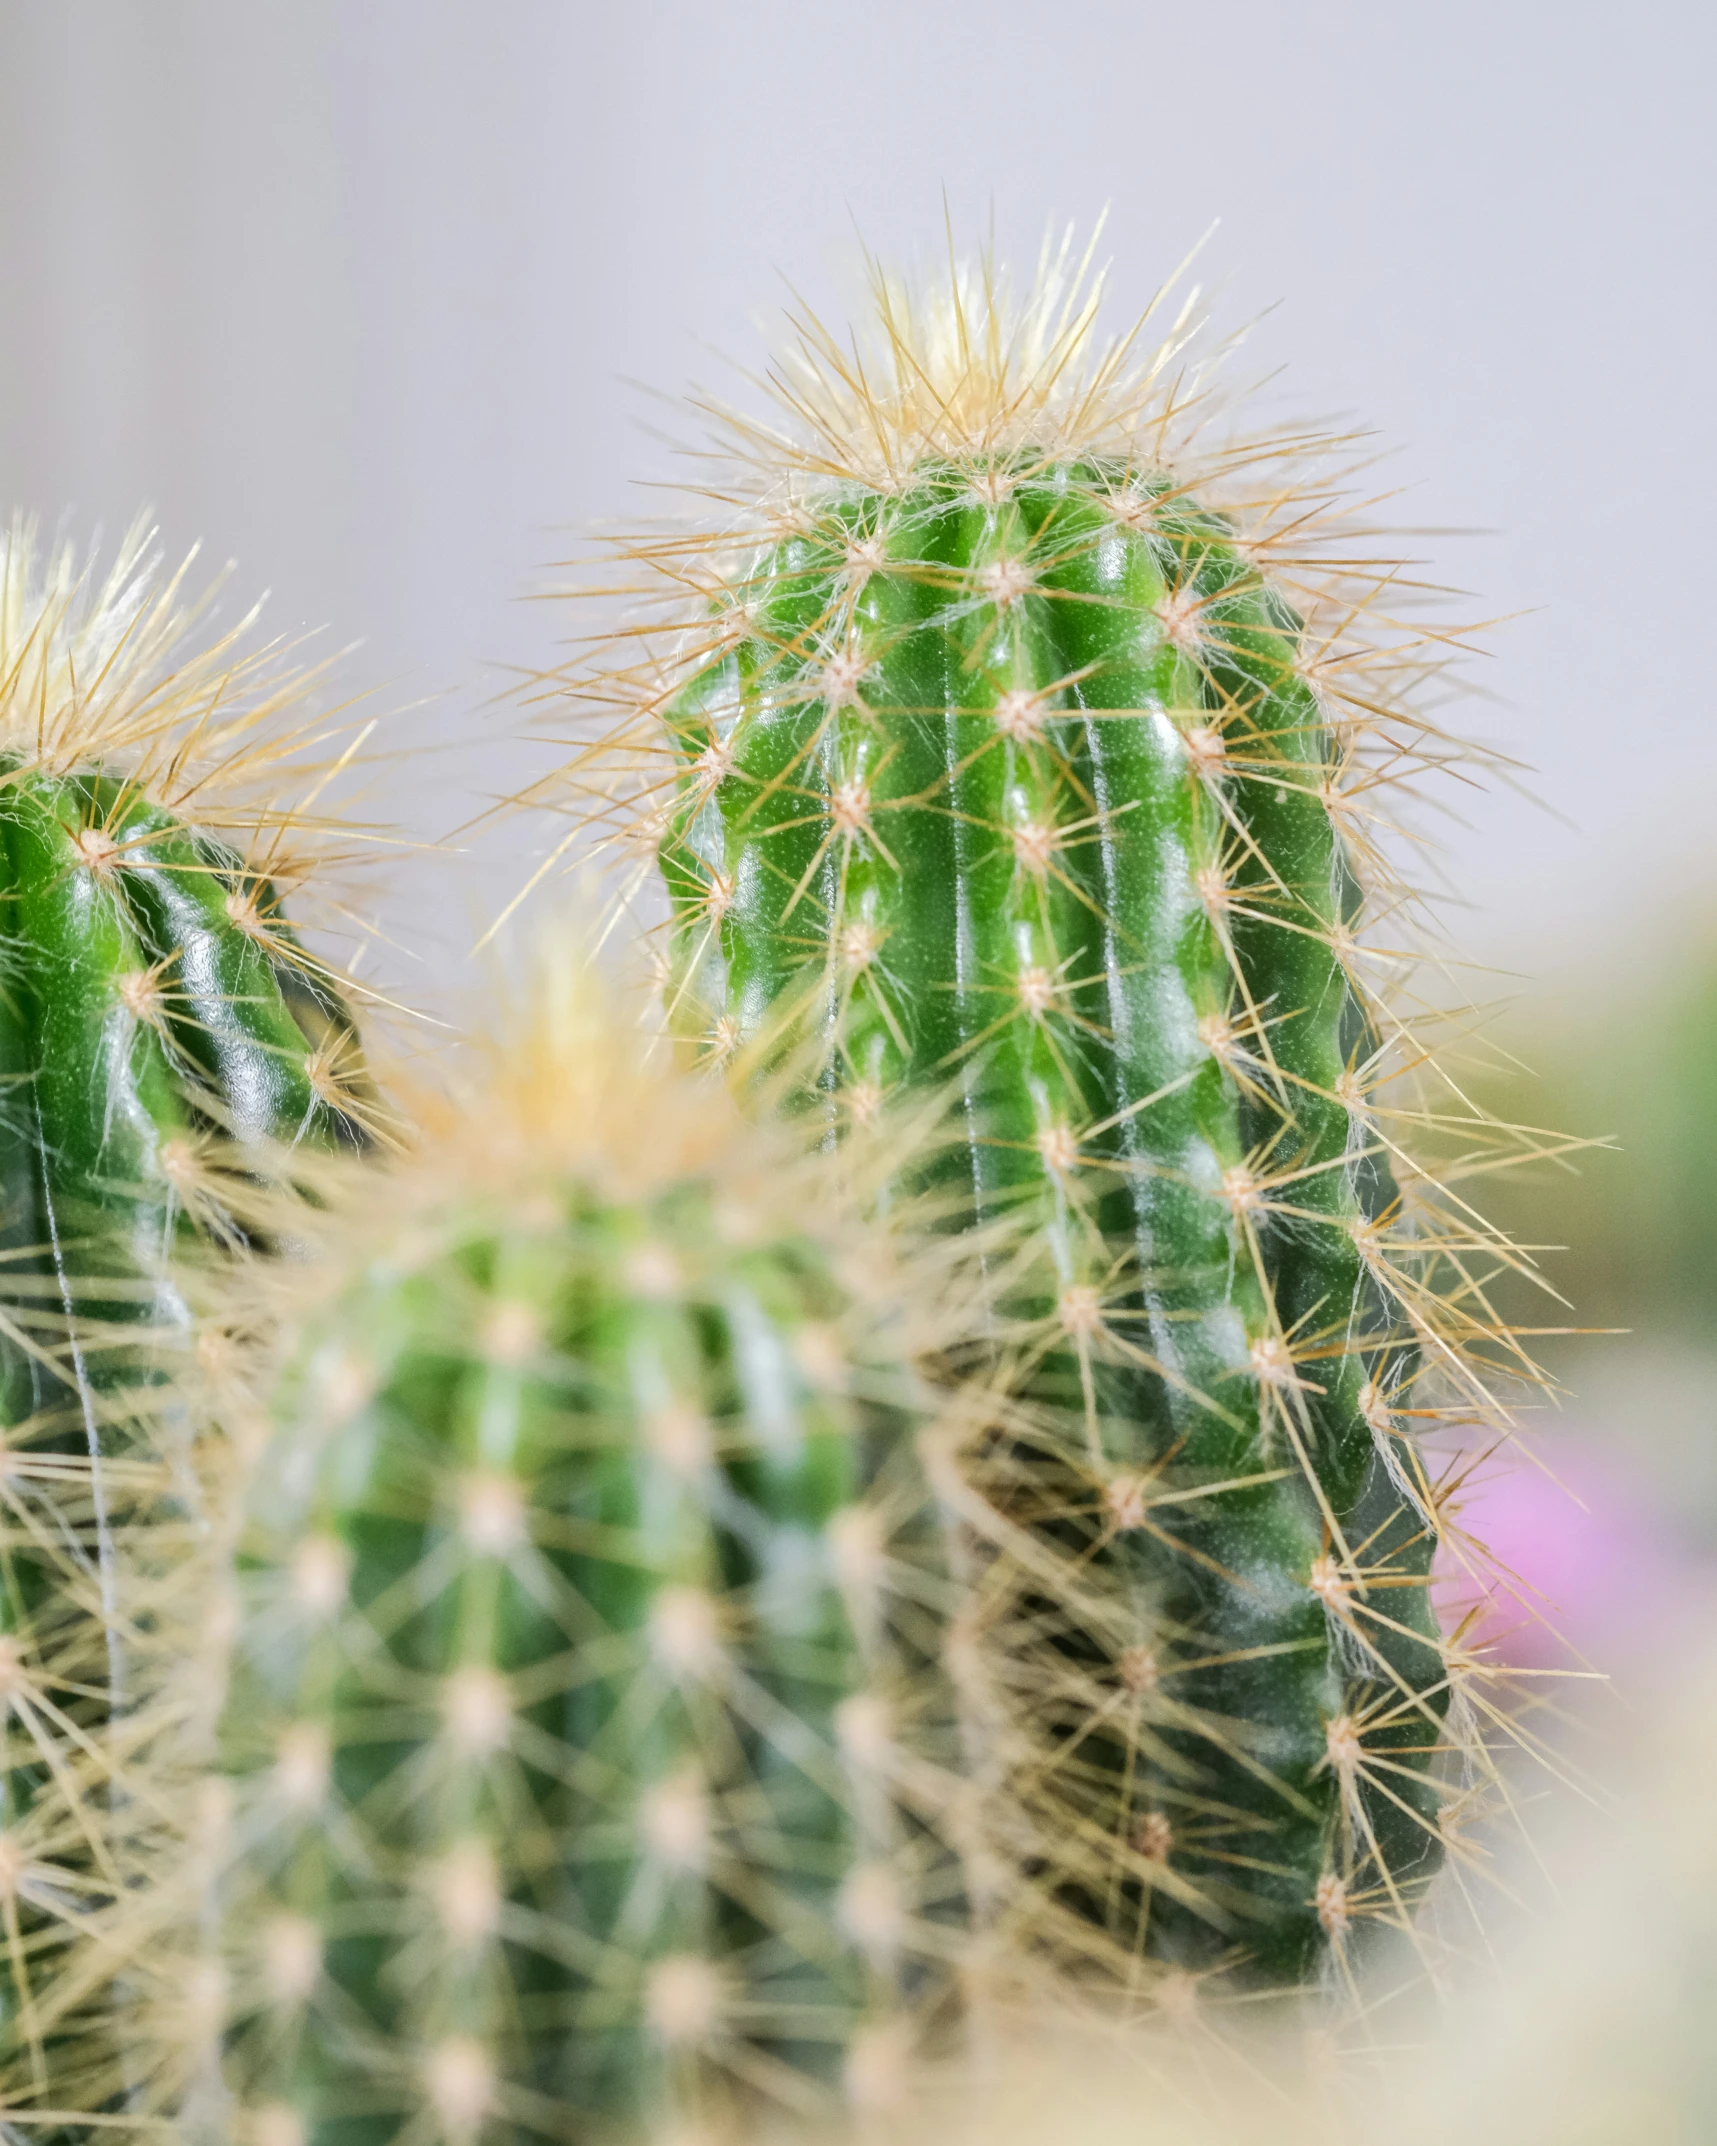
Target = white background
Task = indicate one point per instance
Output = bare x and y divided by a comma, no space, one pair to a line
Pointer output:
360,295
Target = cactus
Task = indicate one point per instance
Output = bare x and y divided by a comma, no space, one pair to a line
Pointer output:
590,1746
161,1027
1017,748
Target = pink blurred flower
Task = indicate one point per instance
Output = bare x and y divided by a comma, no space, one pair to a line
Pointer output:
1579,1561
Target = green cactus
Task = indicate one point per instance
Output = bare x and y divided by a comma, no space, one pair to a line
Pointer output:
160,1028
591,1750
1018,754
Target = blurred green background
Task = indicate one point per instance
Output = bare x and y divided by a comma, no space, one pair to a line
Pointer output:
1623,1052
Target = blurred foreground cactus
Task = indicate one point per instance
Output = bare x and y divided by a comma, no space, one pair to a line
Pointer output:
1015,749
593,1749
162,1032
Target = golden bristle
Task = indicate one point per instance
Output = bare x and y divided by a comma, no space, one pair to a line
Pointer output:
964,368
101,667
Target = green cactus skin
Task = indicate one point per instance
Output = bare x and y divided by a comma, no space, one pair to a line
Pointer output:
589,1747
998,770
158,1023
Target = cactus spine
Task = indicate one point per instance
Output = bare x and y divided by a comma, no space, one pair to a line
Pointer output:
158,1022
1004,763
589,1741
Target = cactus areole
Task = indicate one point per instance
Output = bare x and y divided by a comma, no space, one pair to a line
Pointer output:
1021,754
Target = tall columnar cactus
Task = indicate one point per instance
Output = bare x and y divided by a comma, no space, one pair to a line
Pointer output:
160,1026
1017,751
588,1731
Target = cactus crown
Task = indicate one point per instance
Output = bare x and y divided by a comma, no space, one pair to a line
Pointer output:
106,686
967,386
98,667
963,369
